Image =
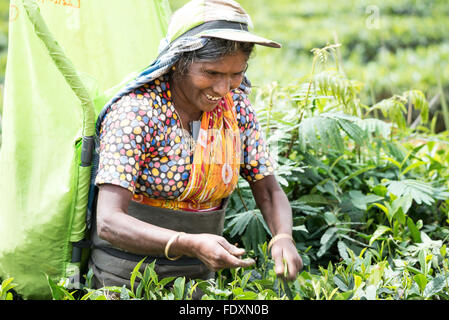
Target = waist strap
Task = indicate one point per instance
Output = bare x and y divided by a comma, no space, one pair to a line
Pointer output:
177,220
178,205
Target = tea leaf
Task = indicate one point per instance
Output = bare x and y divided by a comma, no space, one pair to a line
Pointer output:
413,230
340,283
58,292
136,273
328,235
124,295
434,286
355,174
359,200
179,287
421,280
357,281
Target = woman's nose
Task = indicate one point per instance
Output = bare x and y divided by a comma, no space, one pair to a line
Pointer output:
222,86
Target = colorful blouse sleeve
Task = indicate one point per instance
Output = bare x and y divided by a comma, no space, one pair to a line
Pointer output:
257,162
125,139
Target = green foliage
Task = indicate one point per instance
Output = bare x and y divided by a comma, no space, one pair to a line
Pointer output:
5,289
249,226
420,274
356,183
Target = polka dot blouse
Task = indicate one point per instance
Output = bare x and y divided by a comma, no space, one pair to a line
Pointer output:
141,143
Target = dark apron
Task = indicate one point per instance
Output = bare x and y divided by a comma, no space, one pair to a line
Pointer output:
113,267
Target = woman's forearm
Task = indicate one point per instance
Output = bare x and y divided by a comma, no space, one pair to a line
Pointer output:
274,205
128,233
279,214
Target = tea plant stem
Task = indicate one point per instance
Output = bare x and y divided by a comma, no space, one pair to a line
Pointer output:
432,105
287,290
443,104
241,197
315,58
295,134
338,59
409,113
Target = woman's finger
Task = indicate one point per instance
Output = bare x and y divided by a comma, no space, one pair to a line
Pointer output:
292,265
244,263
231,257
219,254
277,256
235,251
227,260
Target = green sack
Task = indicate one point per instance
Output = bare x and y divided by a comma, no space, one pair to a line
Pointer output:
63,56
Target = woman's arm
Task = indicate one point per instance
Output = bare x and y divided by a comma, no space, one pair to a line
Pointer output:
123,230
128,233
276,210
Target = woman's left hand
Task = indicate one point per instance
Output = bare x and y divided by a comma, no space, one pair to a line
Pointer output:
287,261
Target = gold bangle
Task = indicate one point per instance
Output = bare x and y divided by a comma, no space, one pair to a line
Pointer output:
169,243
277,237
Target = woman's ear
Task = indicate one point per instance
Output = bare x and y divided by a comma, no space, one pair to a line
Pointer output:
176,71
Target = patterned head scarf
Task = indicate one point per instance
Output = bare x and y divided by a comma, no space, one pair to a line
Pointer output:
224,19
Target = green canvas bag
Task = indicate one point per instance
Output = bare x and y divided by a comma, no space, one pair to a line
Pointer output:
65,60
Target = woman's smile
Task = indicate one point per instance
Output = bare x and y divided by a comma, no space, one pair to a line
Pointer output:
206,83
212,98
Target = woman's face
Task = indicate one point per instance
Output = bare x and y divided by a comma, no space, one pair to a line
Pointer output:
207,82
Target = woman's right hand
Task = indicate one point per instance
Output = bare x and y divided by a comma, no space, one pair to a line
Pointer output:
214,251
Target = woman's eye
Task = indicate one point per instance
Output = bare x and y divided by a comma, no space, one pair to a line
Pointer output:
211,73
216,74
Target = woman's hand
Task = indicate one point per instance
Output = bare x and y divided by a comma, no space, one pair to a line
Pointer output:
286,258
214,251
276,210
